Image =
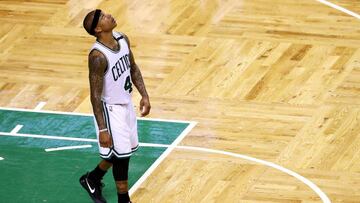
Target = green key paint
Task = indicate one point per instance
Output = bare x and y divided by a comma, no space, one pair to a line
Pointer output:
29,174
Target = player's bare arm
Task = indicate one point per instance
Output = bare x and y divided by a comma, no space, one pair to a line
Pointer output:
140,85
137,78
138,81
97,66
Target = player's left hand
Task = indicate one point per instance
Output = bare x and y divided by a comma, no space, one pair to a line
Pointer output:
145,106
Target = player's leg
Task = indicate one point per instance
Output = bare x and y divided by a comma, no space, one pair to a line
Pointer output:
91,181
124,145
120,173
100,170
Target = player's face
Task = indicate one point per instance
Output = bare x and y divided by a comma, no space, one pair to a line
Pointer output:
107,22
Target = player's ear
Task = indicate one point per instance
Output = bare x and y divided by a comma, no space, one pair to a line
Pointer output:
98,29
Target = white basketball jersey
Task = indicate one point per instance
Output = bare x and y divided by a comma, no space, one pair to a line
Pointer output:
117,86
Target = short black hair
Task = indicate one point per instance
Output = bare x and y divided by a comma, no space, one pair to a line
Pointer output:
88,21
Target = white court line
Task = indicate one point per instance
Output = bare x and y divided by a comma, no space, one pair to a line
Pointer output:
161,158
40,106
67,148
314,187
48,137
340,8
16,129
1,158
87,114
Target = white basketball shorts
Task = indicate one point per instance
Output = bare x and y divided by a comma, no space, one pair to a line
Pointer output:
121,123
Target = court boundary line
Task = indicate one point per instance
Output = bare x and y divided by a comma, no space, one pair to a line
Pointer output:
339,8
304,180
89,114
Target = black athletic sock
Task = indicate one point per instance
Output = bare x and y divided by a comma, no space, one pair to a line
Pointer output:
97,174
123,198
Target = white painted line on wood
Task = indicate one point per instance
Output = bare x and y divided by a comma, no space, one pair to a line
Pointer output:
40,106
340,8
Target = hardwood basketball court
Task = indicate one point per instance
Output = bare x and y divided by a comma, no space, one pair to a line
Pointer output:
274,80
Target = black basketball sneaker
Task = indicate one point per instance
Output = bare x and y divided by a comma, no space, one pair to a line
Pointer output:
93,188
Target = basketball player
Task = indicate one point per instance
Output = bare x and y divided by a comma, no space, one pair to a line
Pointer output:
112,71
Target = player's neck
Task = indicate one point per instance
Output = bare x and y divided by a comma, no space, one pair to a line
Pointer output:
107,39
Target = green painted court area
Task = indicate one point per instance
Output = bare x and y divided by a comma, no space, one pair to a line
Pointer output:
30,174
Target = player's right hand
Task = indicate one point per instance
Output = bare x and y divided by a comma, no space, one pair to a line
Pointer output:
105,139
